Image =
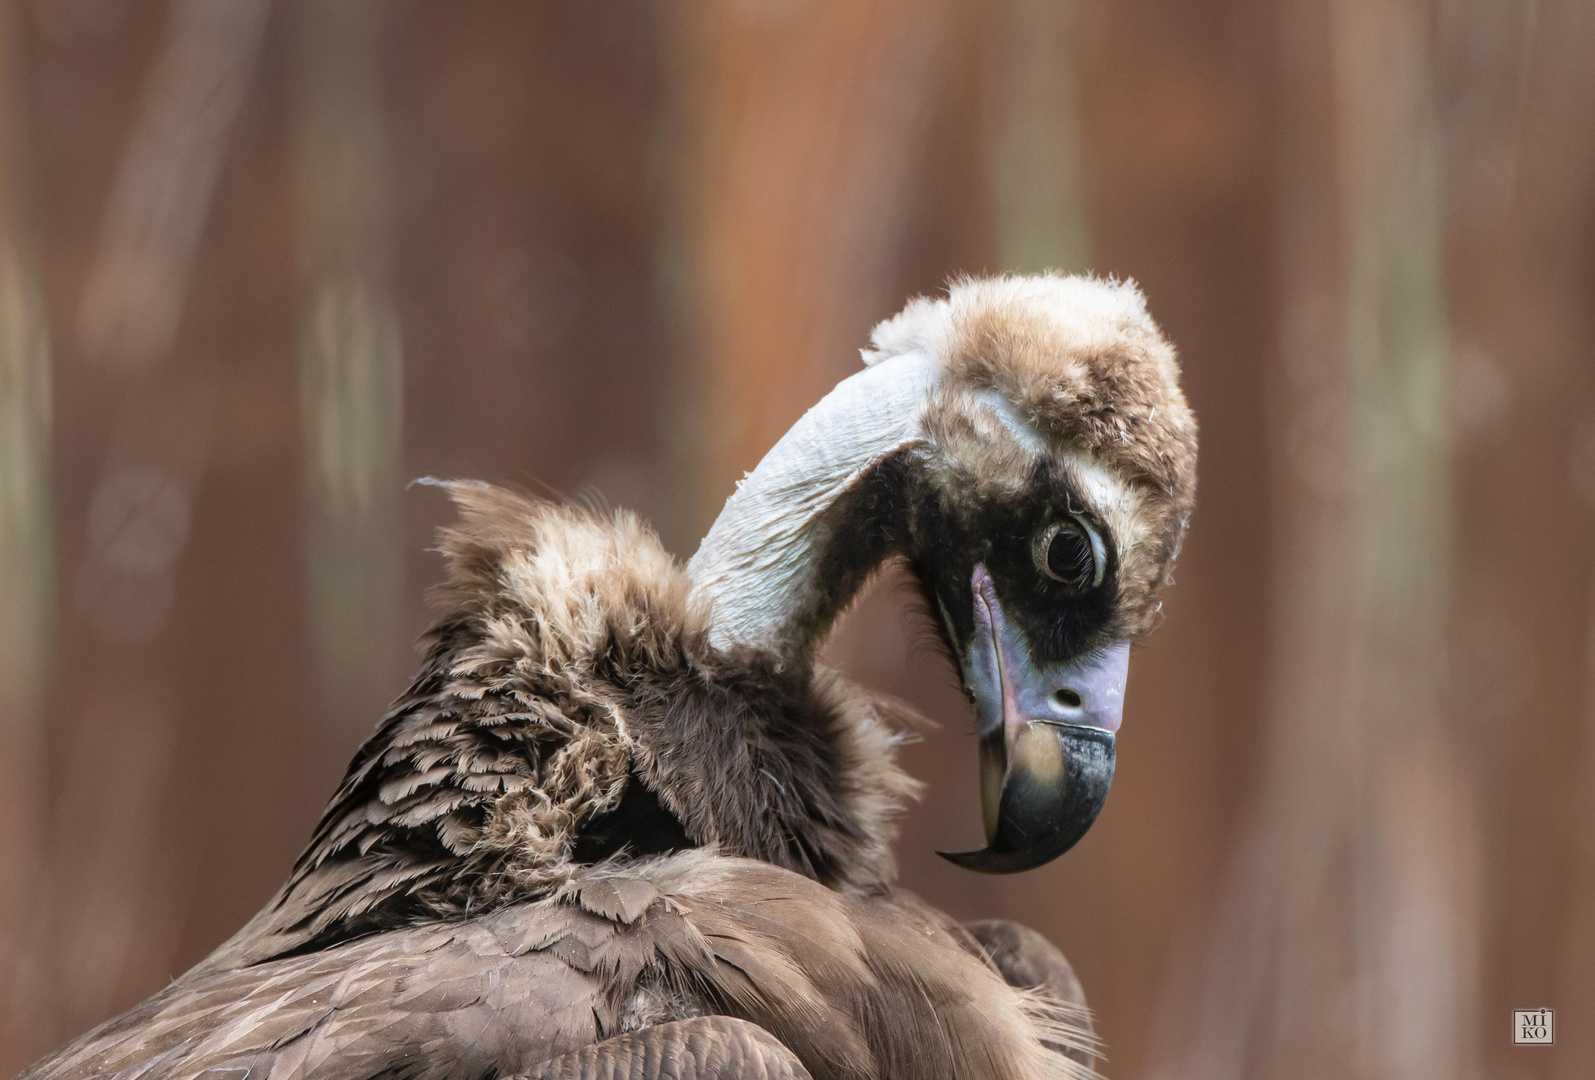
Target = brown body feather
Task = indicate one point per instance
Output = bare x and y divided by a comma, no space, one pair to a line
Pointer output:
854,987
568,667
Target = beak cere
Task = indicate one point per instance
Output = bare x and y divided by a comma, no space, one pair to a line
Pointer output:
1046,740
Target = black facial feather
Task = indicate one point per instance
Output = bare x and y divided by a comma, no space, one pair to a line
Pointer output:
864,527
948,541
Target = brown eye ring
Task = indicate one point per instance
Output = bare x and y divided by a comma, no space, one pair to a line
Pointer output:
1071,553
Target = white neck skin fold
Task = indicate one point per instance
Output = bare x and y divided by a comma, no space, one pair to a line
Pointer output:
757,564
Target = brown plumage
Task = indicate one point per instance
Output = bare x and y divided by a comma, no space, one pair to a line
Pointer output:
853,987
568,665
592,840
705,1046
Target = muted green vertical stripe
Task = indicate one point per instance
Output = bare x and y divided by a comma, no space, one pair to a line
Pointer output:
1415,900
25,525
351,367
26,532
1037,173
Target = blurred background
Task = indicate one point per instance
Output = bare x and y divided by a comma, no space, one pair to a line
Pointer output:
262,263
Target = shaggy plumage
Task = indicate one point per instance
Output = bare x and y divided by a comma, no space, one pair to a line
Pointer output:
853,988
568,680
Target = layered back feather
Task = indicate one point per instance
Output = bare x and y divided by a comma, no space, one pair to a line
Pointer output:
858,988
570,682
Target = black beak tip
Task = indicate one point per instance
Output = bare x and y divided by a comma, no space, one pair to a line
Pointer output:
1044,813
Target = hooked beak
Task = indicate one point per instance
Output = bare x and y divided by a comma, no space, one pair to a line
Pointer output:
1046,740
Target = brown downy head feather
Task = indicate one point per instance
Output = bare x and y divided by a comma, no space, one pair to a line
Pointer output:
1078,362
569,707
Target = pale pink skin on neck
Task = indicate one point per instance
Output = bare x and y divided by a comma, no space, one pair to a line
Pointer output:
1011,691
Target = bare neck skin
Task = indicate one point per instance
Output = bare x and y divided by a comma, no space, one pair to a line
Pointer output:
759,567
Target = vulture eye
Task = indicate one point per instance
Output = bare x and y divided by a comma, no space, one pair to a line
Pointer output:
1071,552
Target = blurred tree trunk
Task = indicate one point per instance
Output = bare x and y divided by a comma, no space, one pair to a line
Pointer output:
160,204
1035,162
104,908
1345,938
806,125
27,585
351,370
1519,94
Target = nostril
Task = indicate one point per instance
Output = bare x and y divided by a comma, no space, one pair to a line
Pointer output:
1067,698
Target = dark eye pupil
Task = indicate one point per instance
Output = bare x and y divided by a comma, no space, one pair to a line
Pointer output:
1069,558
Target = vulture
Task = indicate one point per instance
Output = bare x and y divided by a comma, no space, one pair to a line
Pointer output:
624,824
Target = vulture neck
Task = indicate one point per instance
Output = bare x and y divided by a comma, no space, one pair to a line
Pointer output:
800,536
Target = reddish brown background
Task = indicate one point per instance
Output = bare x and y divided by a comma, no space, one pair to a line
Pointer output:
627,245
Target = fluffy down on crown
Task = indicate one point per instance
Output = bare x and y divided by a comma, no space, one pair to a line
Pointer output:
1089,378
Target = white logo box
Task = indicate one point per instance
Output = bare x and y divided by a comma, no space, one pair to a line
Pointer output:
1533,1027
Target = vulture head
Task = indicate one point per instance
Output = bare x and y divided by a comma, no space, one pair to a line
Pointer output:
1022,445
